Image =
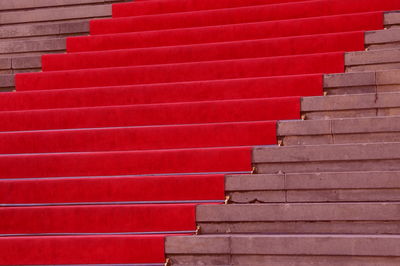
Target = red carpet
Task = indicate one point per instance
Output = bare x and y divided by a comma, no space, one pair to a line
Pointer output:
113,189
227,33
68,250
223,69
138,123
140,138
98,219
208,90
153,114
351,41
204,160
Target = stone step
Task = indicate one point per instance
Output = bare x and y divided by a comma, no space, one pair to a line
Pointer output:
373,60
284,250
6,5
314,187
351,106
55,14
392,19
327,158
35,31
339,131
362,82
300,218
18,64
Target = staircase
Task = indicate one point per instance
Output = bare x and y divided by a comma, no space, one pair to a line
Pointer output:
123,149
329,194
32,28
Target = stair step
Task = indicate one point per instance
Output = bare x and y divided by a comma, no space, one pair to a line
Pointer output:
139,138
153,114
33,31
64,250
373,60
149,8
333,42
350,106
204,160
362,82
29,4
300,218
385,39
58,220
327,158
314,187
209,90
235,15
55,14
111,190
340,131
283,249
193,71
225,33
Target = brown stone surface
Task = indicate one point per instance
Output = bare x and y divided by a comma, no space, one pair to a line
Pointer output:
262,260
298,212
372,57
25,4
300,227
343,195
319,153
392,18
344,180
349,79
329,166
253,182
12,47
54,14
382,36
257,196
332,245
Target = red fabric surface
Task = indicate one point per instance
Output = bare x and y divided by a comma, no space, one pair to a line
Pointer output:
238,15
125,163
112,189
351,41
224,89
140,138
81,250
98,219
154,7
224,69
154,114
225,33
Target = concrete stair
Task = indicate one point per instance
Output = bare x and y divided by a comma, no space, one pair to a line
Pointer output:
32,28
330,193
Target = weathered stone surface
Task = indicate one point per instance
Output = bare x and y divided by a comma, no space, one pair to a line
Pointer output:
54,14
382,36
253,182
301,227
349,79
330,245
12,5
329,166
298,212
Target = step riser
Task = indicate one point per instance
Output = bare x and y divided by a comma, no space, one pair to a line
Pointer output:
341,166
325,195
341,139
262,260
329,227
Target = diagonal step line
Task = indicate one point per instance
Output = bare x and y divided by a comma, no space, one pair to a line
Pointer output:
100,234
110,203
127,176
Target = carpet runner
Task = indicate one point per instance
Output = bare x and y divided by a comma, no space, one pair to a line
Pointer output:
113,145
